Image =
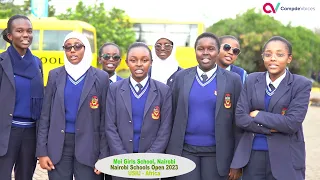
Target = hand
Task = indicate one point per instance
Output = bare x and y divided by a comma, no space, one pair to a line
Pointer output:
96,171
273,130
46,163
235,174
254,113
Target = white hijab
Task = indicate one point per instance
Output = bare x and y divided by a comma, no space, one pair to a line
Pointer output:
163,69
76,71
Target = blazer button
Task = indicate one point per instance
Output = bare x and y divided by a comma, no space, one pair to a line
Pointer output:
142,138
130,140
252,134
130,121
62,131
10,115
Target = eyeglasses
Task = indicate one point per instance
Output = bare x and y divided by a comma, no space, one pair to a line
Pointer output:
167,47
76,47
270,55
108,57
227,47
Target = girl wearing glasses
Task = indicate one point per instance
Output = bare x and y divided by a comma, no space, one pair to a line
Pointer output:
204,99
21,95
71,135
164,65
110,57
229,51
270,110
139,116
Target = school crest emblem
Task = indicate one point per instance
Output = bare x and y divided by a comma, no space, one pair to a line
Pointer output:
156,113
94,103
227,100
283,111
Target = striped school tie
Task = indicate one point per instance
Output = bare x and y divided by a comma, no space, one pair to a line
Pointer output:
271,87
140,87
204,77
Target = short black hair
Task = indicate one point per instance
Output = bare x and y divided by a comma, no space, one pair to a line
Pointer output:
222,38
109,44
207,35
138,44
279,38
9,26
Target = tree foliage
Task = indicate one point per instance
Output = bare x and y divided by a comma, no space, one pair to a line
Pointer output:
112,26
254,29
8,8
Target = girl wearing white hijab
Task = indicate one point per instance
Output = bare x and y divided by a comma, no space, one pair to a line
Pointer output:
71,135
164,65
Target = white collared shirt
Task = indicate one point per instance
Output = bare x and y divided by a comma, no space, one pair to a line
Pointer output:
275,83
209,73
113,78
228,68
134,83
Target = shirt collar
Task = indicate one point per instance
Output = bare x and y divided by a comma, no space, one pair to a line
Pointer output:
209,73
277,82
228,68
143,82
113,78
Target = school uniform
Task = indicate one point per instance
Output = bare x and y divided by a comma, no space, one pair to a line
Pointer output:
138,121
282,106
114,78
242,73
203,129
21,94
71,129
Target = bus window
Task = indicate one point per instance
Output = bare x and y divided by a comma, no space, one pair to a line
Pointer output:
2,42
90,37
184,34
35,41
151,32
53,39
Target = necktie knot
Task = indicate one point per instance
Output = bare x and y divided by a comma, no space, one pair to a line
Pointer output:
204,77
139,86
272,87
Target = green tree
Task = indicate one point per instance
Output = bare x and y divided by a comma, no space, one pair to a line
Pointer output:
8,8
112,26
254,29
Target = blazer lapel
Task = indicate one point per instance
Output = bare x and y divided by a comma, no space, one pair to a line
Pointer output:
221,85
88,83
282,89
125,94
151,97
7,68
61,83
188,81
260,91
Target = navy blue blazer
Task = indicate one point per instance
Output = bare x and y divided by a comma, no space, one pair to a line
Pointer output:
7,97
227,134
287,110
90,140
155,133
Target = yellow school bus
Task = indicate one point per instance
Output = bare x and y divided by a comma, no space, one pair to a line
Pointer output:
185,34
48,36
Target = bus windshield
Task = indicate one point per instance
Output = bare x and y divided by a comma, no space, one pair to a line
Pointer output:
184,34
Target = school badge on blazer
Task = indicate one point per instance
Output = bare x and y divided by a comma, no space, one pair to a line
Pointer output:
227,100
156,113
283,111
94,103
